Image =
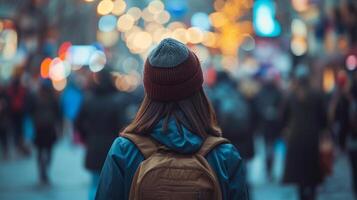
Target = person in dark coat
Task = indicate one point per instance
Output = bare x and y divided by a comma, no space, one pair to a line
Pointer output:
4,117
17,107
234,114
346,117
268,102
47,120
305,118
101,117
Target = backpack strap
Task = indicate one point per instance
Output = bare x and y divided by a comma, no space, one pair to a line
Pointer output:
210,143
145,144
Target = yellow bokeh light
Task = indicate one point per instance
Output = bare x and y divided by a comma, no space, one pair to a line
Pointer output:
159,34
180,35
59,85
119,7
105,7
88,0
218,19
125,23
176,25
162,17
147,15
218,4
108,39
155,6
142,40
194,35
152,26
133,30
135,12
298,46
328,80
210,39
300,5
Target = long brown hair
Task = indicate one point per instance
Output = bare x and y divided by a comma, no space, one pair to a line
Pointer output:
194,113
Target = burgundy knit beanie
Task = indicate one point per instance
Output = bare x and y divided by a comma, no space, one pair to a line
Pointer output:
172,72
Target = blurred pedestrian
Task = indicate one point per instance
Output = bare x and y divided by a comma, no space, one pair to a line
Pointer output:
101,117
47,120
176,133
268,106
17,98
4,119
305,119
234,114
346,117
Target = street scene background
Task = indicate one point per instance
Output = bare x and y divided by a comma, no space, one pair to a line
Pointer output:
281,75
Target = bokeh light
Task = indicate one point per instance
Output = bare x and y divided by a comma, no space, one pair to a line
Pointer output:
59,69
63,50
155,7
194,35
328,80
135,12
298,46
97,61
59,85
162,17
45,67
218,19
107,23
9,47
298,28
351,62
248,43
300,5
201,20
180,34
118,7
265,23
108,39
125,22
105,7
210,39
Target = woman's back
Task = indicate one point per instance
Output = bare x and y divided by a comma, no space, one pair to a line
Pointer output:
177,116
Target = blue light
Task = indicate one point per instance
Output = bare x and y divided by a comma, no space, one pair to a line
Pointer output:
264,21
107,23
201,20
177,8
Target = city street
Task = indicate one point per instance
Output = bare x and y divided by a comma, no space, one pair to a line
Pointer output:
69,180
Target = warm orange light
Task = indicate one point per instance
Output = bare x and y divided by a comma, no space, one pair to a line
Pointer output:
300,5
194,35
45,67
218,19
62,51
180,35
59,85
210,39
328,80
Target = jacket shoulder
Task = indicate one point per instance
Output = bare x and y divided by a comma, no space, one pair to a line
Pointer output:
121,147
226,151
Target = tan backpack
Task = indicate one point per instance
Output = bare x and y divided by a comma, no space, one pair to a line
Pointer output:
166,175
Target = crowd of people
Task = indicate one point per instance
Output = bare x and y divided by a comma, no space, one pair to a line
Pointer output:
300,115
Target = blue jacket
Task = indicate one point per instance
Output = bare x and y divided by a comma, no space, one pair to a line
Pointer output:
124,158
